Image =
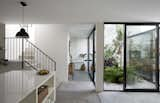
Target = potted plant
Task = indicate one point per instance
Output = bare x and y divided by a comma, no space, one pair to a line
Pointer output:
83,67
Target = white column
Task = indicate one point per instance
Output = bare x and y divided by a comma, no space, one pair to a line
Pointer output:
99,56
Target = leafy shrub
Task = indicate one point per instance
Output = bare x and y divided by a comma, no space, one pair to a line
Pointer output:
115,74
110,62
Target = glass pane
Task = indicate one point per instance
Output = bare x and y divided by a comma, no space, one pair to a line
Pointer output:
113,56
141,57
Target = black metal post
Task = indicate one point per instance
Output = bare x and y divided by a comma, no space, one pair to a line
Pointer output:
124,63
88,54
22,53
93,56
157,55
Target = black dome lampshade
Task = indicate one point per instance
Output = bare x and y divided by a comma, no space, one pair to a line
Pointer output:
22,34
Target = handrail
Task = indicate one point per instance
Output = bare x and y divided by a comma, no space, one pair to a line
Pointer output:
31,65
35,47
22,50
40,50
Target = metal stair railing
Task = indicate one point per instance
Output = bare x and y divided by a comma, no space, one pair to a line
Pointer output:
24,51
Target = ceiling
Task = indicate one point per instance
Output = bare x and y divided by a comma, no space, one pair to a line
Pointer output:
80,30
80,11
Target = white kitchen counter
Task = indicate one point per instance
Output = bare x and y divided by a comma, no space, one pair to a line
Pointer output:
16,84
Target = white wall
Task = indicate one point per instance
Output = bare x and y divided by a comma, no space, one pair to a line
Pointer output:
78,46
53,40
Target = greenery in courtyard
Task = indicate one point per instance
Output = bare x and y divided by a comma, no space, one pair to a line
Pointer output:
113,52
115,74
113,71
112,58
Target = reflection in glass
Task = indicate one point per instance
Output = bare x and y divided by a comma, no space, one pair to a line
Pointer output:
141,57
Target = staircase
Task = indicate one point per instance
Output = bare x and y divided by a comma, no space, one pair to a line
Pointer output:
24,60
26,53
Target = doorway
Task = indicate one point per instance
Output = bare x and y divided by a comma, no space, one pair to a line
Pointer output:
81,54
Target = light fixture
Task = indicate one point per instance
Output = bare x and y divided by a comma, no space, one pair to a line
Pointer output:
22,33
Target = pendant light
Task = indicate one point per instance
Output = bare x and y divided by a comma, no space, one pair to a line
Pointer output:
22,33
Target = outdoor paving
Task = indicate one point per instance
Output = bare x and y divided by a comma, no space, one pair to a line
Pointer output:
143,84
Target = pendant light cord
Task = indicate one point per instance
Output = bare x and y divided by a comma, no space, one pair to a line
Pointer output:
22,15
23,23
23,4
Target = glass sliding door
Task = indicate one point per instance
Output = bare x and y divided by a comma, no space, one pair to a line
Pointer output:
113,56
141,57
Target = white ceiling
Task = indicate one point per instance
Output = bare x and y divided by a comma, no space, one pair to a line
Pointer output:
80,30
80,11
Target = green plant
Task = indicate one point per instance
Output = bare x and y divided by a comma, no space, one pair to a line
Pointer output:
115,74
108,52
131,74
114,49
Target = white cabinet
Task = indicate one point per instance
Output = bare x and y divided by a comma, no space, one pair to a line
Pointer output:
49,98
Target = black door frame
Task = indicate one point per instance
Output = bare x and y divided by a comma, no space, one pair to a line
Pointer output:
92,76
157,54
121,90
157,58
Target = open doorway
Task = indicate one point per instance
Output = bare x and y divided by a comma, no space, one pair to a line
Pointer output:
113,56
80,53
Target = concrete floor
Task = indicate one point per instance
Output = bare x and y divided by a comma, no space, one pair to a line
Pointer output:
129,97
77,92
80,76
84,92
